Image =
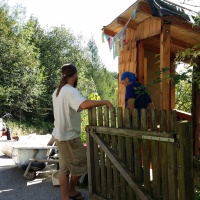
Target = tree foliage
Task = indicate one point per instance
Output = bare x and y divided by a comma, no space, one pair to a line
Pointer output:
30,62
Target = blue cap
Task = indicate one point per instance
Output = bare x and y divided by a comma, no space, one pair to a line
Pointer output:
131,77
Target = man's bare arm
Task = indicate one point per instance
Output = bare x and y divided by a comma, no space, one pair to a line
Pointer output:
93,103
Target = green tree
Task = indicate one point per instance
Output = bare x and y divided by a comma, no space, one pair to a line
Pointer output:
20,77
105,81
59,46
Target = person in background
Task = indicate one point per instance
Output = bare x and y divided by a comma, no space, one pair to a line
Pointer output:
136,95
67,105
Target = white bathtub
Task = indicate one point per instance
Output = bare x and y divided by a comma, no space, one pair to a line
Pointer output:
22,155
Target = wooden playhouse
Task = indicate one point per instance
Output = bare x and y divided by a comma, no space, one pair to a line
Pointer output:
146,38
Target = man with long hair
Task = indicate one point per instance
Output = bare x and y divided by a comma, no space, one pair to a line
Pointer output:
67,105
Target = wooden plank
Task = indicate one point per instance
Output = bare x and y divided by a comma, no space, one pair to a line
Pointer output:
100,116
148,28
131,24
119,117
163,121
140,62
121,146
172,160
128,36
102,156
146,165
97,169
133,62
90,157
155,169
172,171
185,161
121,168
128,147
144,124
165,63
129,133
138,160
135,119
155,157
145,71
96,154
116,175
172,89
113,117
121,152
103,172
164,167
108,162
145,152
116,194
137,148
127,122
164,163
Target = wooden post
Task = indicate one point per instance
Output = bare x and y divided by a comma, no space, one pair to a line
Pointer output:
165,63
90,157
116,174
185,161
164,158
155,158
171,155
102,155
108,162
140,62
196,114
121,150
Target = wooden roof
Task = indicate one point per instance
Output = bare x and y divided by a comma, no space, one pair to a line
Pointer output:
183,33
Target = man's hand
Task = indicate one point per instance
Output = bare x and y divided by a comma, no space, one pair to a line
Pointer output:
131,103
109,104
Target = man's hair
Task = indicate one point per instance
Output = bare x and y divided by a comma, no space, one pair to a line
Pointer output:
67,70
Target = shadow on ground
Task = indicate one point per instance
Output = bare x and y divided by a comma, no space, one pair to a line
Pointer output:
14,186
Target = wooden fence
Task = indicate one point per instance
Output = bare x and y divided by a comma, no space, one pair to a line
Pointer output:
143,157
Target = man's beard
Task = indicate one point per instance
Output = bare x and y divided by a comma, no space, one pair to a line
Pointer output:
75,83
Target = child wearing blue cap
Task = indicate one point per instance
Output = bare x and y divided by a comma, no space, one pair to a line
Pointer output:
137,95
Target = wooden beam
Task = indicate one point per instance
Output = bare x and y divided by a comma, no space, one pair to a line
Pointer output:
165,63
172,88
109,32
157,50
131,24
182,24
140,61
145,8
176,42
145,71
152,48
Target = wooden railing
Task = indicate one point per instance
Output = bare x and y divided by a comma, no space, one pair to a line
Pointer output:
183,115
131,158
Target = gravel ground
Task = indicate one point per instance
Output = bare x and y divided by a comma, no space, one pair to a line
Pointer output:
14,186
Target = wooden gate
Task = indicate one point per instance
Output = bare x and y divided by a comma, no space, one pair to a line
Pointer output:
143,157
